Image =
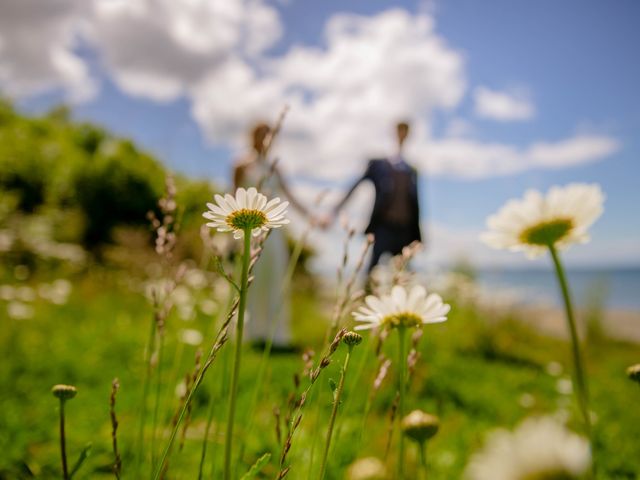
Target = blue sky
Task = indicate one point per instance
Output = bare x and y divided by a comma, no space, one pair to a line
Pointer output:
572,66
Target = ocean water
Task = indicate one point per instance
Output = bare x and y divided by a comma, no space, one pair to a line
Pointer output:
617,288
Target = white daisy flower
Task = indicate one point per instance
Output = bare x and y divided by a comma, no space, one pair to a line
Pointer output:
535,222
539,449
247,210
401,308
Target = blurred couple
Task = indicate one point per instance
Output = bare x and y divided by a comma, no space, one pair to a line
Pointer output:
394,222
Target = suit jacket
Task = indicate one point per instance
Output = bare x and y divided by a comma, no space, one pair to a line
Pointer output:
379,172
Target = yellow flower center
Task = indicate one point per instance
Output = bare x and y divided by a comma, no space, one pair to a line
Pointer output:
547,233
246,219
404,319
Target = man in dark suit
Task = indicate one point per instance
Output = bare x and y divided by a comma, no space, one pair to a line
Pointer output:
395,218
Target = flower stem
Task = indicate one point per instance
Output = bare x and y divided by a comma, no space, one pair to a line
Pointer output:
422,447
145,394
334,413
402,365
266,353
579,374
63,446
238,355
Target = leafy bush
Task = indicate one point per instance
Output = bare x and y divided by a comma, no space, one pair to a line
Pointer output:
54,162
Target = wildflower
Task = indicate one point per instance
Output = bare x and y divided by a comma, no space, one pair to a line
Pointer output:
64,392
554,369
420,426
19,310
7,292
352,339
634,372
538,449
535,222
564,386
191,336
538,223
402,309
248,210
208,306
247,214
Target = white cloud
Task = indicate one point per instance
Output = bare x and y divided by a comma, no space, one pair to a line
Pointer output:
37,42
502,106
573,151
161,48
468,158
345,95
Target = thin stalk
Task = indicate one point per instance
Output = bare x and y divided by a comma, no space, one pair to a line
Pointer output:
224,391
359,373
63,446
173,378
117,464
205,440
187,402
156,406
266,354
316,422
582,391
159,470
228,444
402,365
215,348
212,402
334,413
422,447
145,394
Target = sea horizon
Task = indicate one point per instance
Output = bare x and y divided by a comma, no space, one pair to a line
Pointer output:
607,287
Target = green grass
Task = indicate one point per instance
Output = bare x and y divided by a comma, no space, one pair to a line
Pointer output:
472,374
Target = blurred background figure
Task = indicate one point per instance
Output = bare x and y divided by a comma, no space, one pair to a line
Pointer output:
268,308
395,217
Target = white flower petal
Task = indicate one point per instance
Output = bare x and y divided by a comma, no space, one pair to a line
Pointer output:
581,204
246,199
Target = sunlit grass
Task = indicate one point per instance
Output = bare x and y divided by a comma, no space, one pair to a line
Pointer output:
476,373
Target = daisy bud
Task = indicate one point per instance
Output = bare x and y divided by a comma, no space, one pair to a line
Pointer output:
64,392
420,426
634,372
352,339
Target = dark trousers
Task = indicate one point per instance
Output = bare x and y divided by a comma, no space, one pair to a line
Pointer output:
389,239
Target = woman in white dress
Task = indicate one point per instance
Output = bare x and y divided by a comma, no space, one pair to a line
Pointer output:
268,306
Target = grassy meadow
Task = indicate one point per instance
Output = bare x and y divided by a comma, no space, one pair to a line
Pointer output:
77,266
477,372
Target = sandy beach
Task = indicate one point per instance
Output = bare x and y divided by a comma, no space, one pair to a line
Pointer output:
619,324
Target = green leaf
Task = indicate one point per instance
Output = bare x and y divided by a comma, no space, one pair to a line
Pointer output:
83,456
255,469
